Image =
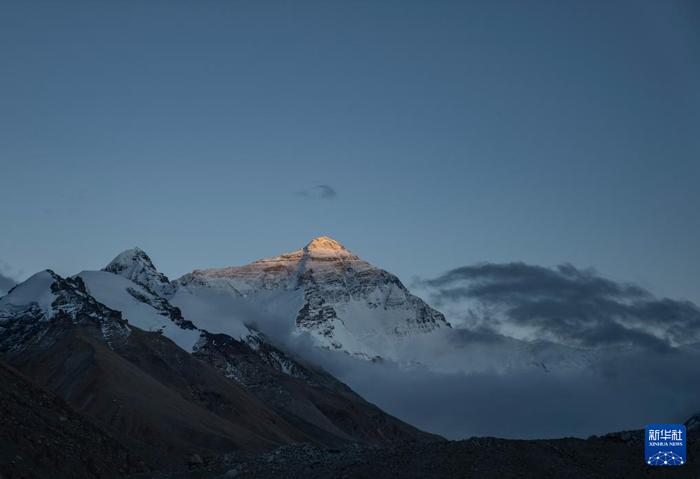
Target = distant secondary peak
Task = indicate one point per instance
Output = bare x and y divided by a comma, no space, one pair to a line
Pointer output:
325,245
128,259
136,265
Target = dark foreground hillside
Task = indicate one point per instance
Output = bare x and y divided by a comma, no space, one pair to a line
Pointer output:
613,456
41,436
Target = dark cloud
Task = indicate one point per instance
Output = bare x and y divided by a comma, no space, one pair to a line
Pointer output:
566,305
321,192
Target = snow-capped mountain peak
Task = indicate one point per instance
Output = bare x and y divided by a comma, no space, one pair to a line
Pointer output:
322,289
136,265
326,246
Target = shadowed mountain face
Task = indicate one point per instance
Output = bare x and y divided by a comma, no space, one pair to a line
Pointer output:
166,403
308,398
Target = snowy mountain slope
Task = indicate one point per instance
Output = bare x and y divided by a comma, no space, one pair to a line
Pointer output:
140,307
48,298
35,291
129,288
150,312
324,290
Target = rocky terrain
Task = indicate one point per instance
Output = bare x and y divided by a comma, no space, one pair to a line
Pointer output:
617,455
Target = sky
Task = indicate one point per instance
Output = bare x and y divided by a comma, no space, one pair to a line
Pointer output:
424,136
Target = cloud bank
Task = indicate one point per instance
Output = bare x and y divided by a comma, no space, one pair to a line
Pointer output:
565,305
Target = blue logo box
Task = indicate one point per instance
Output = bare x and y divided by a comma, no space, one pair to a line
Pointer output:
664,445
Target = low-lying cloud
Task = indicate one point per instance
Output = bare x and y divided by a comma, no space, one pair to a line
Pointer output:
623,393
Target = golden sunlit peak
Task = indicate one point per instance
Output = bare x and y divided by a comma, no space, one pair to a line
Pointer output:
324,244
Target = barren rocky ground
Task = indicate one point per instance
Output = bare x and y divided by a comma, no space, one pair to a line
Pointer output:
614,456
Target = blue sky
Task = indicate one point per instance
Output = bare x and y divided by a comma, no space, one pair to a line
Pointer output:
450,133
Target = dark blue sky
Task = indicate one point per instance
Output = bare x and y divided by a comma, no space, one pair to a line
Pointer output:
452,132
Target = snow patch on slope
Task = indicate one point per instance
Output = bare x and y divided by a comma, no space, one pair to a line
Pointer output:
34,291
